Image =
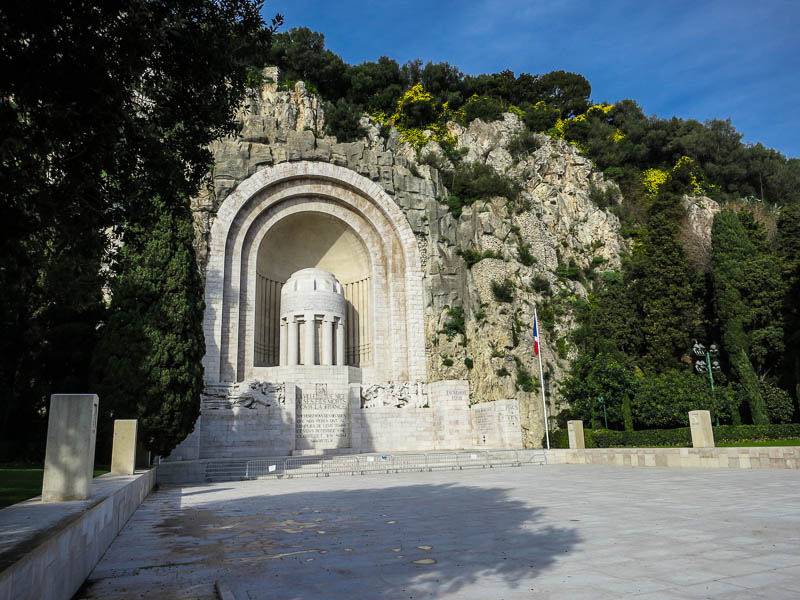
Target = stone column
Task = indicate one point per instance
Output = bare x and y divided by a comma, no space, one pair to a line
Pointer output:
326,354
284,343
123,450
700,425
292,340
69,457
308,358
575,433
340,333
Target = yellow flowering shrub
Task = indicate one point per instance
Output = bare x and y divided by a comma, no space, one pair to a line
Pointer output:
617,136
653,179
688,163
416,137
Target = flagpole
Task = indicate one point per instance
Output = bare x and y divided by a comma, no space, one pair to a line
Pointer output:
541,380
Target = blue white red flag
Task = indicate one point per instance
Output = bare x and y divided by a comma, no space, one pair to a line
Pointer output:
535,337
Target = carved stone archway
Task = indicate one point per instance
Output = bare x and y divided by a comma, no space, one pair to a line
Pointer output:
360,215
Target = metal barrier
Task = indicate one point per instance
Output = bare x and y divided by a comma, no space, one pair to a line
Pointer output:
262,468
363,464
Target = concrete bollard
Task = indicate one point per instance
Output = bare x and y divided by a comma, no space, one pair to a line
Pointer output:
700,424
575,433
69,457
123,451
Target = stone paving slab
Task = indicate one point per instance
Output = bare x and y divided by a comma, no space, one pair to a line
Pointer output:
566,532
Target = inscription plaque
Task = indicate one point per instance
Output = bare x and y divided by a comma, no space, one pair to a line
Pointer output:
322,420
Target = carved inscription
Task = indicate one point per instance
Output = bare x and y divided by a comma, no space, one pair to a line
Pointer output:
322,420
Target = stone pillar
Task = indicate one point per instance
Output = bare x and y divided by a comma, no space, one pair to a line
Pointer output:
340,334
293,340
69,458
575,433
326,353
310,340
284,343
700,424
123,451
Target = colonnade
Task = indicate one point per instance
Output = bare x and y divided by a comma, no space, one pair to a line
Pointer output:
331,350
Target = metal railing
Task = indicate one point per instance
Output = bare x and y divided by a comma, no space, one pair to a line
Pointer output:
363,464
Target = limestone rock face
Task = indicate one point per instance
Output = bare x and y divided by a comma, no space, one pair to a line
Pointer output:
551,226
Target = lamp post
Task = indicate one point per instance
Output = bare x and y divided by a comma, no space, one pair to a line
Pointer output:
602,401
704,364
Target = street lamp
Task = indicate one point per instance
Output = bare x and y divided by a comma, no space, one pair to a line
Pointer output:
602,401
705,365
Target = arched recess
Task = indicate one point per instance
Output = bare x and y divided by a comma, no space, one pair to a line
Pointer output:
360,216
312,239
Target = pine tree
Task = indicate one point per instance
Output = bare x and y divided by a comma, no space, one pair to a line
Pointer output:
148,361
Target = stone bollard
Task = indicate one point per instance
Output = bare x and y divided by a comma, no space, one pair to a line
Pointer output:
123,451
69,457
575,433
700,424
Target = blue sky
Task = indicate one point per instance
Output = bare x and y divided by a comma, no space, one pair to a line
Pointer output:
703,59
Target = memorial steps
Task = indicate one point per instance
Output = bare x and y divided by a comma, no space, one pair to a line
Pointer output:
363,464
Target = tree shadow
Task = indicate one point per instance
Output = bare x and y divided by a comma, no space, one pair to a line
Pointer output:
399,541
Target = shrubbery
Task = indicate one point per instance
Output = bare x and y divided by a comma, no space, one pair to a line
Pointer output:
503,291
682,437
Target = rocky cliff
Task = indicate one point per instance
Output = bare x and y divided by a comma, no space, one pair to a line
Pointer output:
541,243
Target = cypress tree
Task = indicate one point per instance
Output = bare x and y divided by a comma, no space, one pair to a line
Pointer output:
664,285
148,361
732,256
789,252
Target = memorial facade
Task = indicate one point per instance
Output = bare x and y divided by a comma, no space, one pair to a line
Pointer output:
314,328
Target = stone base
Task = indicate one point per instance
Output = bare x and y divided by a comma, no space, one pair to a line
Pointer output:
344,417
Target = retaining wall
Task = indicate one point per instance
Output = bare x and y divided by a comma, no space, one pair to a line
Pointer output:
753,457
47,550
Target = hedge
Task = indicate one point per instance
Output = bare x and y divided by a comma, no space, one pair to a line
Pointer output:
681,437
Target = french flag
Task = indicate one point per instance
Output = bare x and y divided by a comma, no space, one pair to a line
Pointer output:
535,337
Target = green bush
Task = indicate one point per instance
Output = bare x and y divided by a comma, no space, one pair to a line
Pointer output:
447,362
780,406
664,399
682,437
525,256
570,271
472,256
455,324
477,181
525,380
540,284
523,144
343,121
485,108
468,362
503,291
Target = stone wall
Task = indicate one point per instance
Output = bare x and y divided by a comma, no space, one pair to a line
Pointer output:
757,457
48,550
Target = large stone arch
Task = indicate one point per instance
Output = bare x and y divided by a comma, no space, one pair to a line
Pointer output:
262,202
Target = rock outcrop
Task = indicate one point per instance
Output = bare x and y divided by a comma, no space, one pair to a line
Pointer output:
541,242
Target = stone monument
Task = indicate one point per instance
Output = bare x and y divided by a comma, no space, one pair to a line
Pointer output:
69,457
315,332
123,451
700,426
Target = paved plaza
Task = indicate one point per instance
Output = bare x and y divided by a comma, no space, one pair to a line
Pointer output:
561,532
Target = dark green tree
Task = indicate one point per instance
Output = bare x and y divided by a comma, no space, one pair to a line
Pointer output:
788,243
607,375
661,278
737,266
148,361
103,106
